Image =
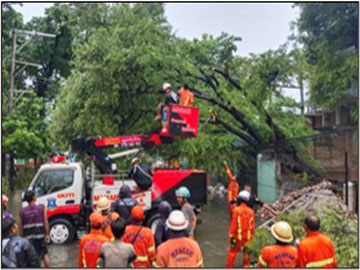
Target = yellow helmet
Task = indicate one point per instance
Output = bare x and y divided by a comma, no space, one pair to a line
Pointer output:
282,231
103,203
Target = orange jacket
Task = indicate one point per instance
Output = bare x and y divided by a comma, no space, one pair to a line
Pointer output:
144,244
278,256
89,249
233,188
179,252
242,224
186,97
107,232
316,250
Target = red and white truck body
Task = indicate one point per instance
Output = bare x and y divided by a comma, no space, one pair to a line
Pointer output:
61,187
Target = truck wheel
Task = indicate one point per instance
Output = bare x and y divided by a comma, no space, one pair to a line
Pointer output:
153,221
61,231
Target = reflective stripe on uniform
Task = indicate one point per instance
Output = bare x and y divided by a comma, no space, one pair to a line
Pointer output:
32,225
152,248
249,231
261,260
84,259
200,262
239,229
320,263
112,239
156,265
142,258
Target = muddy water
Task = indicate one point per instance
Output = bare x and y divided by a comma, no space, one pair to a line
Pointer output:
211,234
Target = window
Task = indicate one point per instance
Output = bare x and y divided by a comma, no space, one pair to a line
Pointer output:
52,181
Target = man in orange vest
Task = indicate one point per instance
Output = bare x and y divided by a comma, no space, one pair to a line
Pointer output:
103,206
142,238
186,96
316,250
241,230
282,254
179,251
232,191
90,244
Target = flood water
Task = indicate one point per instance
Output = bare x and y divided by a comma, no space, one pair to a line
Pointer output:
211,234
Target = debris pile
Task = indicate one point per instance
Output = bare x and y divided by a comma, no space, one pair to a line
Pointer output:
308,199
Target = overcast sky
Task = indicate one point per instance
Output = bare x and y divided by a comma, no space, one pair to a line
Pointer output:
262,26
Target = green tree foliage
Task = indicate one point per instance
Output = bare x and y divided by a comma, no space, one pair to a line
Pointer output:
112,87
24,131
329,33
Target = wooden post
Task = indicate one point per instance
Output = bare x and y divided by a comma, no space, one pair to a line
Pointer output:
346,180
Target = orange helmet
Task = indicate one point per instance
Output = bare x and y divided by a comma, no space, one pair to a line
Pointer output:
96,219
137,213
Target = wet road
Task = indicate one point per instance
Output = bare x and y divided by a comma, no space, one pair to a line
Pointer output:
211,234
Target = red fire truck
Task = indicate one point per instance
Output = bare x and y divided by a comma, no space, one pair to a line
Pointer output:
70,194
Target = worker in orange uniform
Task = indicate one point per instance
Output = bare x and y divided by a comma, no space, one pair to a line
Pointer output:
103,206
282,254
90,244
241,230
142,238
232,191
316,250
179,251
186,96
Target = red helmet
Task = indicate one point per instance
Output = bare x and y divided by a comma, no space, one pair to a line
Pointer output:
137,213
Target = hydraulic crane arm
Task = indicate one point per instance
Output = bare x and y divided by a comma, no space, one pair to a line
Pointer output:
94,147
180,121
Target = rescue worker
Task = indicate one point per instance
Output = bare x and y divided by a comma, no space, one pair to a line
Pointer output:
103,206
124,204
179,251
282,254
162,230
316,250
186,96
182,196
117,253
232,191
142,238
90,244
4,202
17,252
254,200
241,230
141,174
35,226
170,98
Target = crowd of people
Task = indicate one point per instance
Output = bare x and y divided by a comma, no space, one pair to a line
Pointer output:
119,238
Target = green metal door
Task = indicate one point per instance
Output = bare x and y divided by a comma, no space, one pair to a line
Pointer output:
266,179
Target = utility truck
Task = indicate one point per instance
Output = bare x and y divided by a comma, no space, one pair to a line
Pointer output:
70,193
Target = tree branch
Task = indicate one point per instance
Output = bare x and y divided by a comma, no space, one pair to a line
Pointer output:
234,131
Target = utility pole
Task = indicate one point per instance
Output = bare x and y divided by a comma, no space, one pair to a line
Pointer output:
12,73
9,156
14,62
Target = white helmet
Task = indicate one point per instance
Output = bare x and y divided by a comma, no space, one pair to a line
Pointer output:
176,221
135,160
244,195
166,86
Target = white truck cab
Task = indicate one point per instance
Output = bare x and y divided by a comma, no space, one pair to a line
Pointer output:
61,188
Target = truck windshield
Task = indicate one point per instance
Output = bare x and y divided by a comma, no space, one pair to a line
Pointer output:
52,181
